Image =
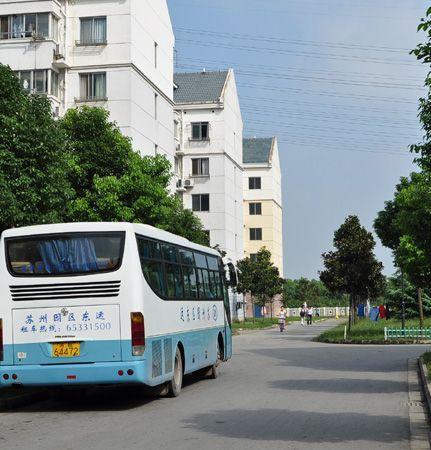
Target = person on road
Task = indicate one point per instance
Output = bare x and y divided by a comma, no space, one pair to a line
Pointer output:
282,319
302,313
309,315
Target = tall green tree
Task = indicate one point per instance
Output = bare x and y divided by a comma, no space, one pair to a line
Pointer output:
259,278
34,166
352,268
404,226
114,183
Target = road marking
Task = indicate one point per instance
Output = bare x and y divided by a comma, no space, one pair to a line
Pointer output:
419,425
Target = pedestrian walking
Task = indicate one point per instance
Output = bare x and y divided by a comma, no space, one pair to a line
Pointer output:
302,314
309,315
282,319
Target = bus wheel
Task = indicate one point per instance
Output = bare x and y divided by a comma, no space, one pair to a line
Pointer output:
214,371
174,386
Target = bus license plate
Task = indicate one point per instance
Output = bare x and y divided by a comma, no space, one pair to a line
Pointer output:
66,349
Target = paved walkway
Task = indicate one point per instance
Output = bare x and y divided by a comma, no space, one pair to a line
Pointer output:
280,391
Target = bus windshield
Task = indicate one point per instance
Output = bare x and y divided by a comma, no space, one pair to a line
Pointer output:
63,254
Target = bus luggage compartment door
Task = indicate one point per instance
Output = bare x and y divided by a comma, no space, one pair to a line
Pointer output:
67,334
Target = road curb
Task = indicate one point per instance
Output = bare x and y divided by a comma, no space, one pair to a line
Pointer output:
417,408
11,398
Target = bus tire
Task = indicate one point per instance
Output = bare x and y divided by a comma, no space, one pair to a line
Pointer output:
175,385
214,371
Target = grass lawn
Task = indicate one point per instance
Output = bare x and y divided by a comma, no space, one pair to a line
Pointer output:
367,331
258,324
262,323
427,359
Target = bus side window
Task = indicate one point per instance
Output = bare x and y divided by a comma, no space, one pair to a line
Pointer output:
174,281
152,268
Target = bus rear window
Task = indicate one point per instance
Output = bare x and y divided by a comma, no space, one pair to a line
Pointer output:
65,254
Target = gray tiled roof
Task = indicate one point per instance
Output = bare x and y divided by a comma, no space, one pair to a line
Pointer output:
256,150
199,87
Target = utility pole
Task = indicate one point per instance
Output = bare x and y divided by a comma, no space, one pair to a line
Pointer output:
403,304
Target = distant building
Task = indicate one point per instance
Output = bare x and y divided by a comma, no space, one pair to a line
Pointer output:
208,160
263,212
113,54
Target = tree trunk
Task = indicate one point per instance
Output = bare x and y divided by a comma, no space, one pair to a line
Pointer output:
421,308
272,312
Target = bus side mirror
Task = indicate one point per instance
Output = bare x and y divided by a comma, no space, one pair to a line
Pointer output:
233,279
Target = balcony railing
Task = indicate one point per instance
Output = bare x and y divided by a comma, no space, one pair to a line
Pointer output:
91,42
98,98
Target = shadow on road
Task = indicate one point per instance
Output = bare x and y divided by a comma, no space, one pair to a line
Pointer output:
341,357
342,386
103,398
299,426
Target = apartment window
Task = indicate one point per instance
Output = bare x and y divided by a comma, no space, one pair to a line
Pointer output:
55,28
201,167
34,80
255,209
24,25
93,86
93,31
155,54
201,202
254,183
200,131
255,234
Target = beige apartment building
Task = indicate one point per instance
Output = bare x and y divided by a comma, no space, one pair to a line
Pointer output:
263,221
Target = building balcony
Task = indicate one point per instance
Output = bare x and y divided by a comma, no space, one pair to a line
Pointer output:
91,43
91,99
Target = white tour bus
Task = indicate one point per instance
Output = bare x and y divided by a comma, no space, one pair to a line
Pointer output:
108,303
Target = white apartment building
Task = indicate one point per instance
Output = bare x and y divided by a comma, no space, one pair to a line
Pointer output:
208,162
116,54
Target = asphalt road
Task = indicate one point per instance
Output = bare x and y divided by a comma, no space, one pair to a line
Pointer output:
280,391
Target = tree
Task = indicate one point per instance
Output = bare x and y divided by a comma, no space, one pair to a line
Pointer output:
423,54
34,166
352,267
400,289
405,227
314,292
114,183
259,278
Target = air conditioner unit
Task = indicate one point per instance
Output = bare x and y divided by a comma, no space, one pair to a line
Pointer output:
180,185
57,53
188,183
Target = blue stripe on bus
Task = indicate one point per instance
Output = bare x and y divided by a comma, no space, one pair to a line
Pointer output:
152,368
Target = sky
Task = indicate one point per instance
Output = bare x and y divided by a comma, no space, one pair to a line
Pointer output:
334,81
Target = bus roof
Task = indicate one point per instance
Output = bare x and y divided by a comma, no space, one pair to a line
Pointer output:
79,227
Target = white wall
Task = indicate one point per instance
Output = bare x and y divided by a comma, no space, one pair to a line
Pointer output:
128,60
225,183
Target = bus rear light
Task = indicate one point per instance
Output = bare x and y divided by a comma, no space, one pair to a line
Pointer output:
14,376
71,377
1,339
138,333
5,376
121,373
130,372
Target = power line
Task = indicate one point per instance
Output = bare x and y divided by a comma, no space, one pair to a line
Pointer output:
332,118
317,55
225,63
332,81
327,93
279,40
